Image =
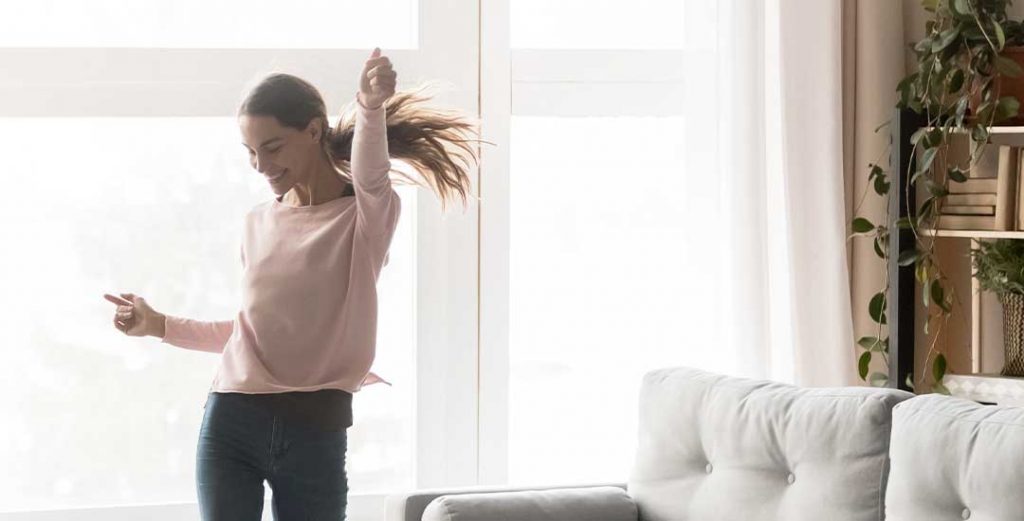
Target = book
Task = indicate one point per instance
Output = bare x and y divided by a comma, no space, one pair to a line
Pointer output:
952,209
965,222
1020,191
974,199
1006,188
974,186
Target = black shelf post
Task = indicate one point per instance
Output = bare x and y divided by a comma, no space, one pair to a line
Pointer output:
900,300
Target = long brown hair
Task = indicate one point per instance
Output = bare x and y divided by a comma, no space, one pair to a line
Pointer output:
438,144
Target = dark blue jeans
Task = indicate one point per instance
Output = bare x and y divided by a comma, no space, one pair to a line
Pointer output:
296,441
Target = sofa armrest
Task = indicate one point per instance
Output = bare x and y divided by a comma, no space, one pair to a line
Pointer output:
598,502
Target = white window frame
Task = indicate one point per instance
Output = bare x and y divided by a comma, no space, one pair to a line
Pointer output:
462,308
551,83
125,82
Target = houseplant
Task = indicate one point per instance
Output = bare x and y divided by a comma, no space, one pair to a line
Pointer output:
964,72
999,268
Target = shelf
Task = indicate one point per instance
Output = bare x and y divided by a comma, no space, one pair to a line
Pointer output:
988,388
975,234
1010,136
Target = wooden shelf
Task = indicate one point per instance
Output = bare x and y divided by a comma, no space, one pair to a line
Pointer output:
988,388
1010,136
975,234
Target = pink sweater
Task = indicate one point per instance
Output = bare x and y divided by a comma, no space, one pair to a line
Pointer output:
309,297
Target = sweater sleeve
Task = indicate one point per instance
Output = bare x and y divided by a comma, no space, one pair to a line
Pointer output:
377,203
197,335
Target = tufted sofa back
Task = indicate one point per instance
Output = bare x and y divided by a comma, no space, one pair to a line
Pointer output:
956,459
714,447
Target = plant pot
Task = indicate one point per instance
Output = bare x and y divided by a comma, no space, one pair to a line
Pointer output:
1013,333
1007,86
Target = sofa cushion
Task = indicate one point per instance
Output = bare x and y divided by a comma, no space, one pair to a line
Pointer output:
714,447
566,504
956,459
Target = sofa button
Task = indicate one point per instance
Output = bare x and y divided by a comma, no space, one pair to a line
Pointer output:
790,478
708,468
966,514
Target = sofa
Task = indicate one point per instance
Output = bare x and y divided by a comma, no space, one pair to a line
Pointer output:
715,447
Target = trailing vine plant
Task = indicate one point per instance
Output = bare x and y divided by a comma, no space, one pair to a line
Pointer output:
956,89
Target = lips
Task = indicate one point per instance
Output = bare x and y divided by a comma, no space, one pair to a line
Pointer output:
276,178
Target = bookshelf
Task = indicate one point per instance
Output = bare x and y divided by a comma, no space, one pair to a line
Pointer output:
903,292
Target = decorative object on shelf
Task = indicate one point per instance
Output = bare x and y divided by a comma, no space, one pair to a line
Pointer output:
964,84
999,268
987,388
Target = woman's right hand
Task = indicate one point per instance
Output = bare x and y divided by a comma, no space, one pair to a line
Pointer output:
134,317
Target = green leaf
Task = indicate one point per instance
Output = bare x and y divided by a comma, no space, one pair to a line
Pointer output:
939,367
875,171
921,273
927,158
938,387
926,207
903,222
881,185
1007,107
1000,35
930,5
926,295
909,381
908,257
876,307
874,344
945,38
917,135
863,364
957,175
878,249
960,8
1007,67
938,295
862,225
956,82
878,379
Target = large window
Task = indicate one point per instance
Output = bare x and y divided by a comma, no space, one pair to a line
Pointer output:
152,206
614,210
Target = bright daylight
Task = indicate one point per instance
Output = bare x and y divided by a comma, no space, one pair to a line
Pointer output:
512,260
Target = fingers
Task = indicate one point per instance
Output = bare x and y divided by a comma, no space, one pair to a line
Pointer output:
382,72
116,300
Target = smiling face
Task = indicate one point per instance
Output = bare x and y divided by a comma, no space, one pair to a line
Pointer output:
284,156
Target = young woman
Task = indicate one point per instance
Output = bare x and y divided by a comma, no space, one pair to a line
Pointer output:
304,341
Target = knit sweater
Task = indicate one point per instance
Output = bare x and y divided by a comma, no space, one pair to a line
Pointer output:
308,317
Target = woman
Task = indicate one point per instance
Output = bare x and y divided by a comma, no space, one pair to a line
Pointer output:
304,340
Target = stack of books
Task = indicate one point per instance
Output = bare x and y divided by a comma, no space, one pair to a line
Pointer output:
991,196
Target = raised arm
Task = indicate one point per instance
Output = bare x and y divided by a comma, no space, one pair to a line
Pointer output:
377,204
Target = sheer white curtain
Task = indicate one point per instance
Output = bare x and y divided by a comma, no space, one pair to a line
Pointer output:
769,140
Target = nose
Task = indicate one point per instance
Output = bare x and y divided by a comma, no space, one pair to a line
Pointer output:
259,165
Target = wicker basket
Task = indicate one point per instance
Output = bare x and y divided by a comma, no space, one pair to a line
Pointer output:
1013,333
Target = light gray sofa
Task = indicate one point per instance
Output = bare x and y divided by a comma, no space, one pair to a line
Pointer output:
714,447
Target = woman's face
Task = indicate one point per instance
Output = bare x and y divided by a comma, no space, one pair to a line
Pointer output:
284,156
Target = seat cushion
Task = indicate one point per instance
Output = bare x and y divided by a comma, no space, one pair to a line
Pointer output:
956,459
714,447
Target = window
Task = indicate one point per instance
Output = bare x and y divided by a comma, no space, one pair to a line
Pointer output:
190,24
613,210
152,206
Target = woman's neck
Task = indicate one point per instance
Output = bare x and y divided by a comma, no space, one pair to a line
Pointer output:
326,186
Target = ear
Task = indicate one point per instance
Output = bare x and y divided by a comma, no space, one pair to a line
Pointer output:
314,130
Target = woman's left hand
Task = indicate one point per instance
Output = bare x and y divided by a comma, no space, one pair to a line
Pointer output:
377,81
